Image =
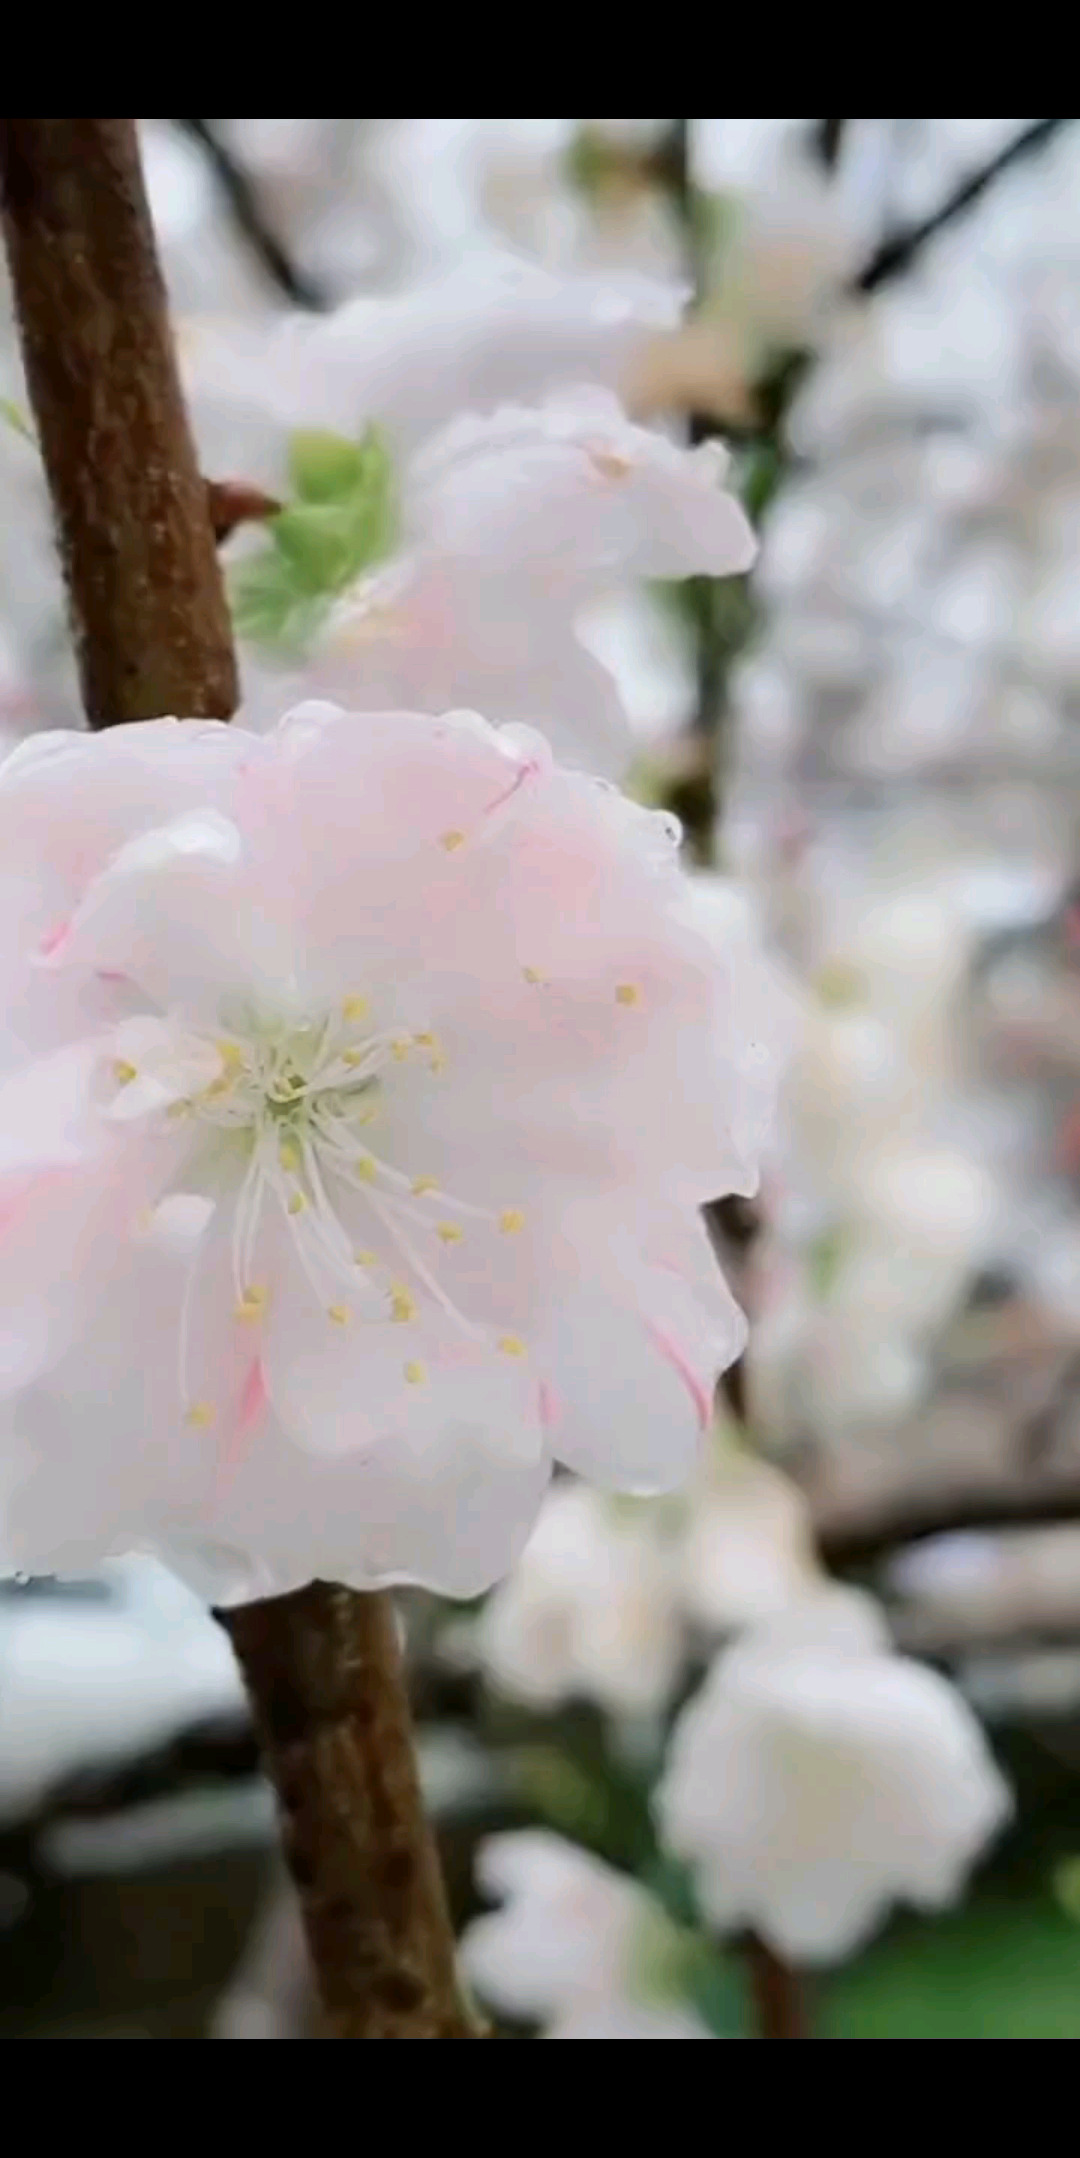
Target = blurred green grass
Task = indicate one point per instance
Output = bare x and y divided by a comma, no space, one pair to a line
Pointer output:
1006,1966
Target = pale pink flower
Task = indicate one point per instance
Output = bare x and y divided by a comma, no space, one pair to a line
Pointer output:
576,1947
518,522
429,631
363,1082
817,1779
575,494
591,1610
497,326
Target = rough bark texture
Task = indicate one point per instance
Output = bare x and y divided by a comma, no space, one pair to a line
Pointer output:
778,1994
148,607
136,528
324,1672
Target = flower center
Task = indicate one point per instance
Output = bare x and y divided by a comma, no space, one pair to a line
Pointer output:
300,1100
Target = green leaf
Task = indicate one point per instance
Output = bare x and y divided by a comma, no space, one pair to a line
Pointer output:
343,523
674,1962
319,544
324,467
1066,1884
17,420
268,609
824,1258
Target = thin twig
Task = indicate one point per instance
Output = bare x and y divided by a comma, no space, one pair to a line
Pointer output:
902,248
777,1992
828,142
233,503
852,1541
294,284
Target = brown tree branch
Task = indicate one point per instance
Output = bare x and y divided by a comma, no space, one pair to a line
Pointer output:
153,636
148,608
324,1671
233,503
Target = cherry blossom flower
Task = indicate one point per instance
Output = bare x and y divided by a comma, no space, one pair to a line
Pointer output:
601,1603
576,1947
590,1611
518,523
363,1084
748,1551
427,630
496,326
817,1780
574,490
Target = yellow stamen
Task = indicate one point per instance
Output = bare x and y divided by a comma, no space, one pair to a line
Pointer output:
449,1232
422,1185
402,1307
629,994
512,1221
353,1057
366,1168
611,464
201,1415
512,1345
298,1203
289,1157
415,1374
252,1304
124,1073
340,1314
399,1049
533,977
355,1008
232,1063
367,1258
451,841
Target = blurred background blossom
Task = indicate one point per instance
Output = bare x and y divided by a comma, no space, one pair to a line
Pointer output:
872,742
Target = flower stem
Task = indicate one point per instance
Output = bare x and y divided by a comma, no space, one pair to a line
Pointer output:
148,606
777,1993
153,637
324,1672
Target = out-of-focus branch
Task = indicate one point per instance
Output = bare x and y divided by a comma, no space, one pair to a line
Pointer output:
239,191
902,248
828,142
853,1540
777,1992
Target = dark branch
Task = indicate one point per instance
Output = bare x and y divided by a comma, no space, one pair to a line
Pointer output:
777,1992
236,186
857,1540
903,247
828,142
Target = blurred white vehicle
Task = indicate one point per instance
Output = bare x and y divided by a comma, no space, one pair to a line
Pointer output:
98,1673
